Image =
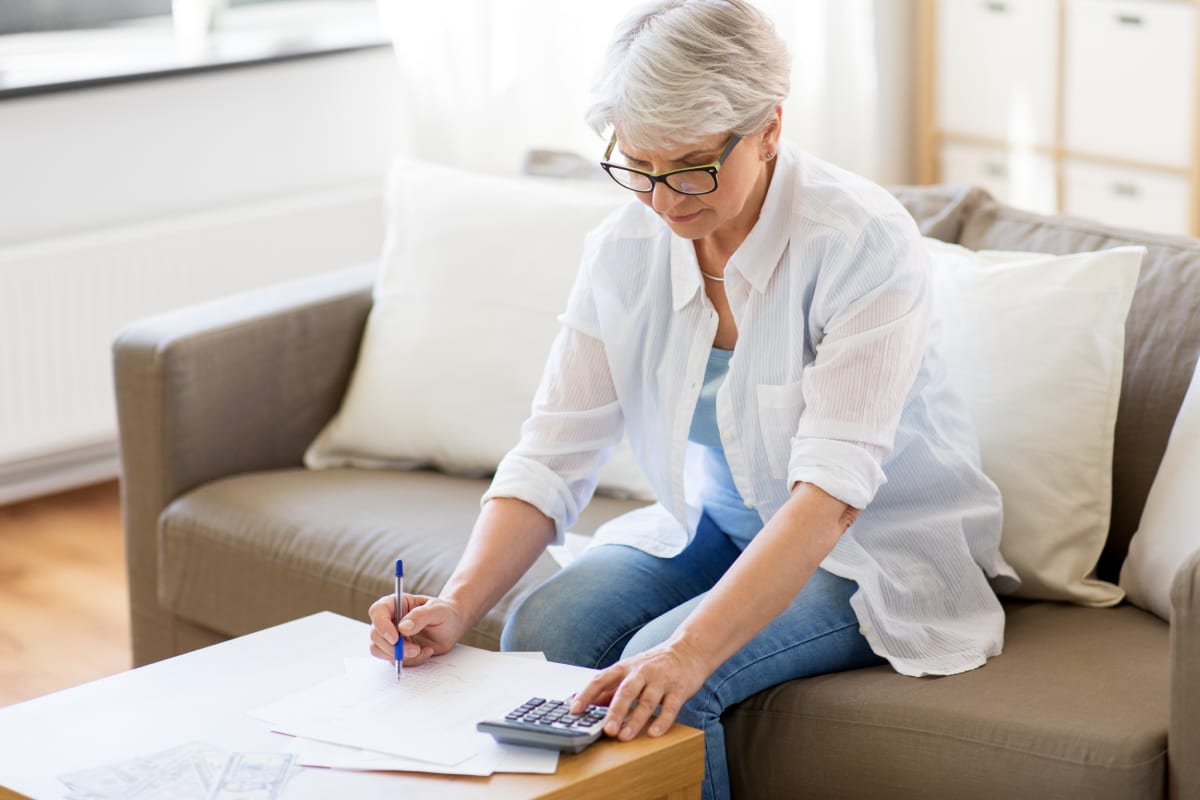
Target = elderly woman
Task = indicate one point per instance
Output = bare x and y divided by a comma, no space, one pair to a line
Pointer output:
759,321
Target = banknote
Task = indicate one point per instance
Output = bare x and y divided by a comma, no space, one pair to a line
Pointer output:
253,776
193,771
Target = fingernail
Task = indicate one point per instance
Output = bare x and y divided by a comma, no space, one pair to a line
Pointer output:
390,637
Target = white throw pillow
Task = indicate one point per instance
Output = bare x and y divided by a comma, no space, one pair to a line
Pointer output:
475,270
1169,531
1035,344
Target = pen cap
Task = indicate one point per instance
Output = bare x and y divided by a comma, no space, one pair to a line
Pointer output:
399,568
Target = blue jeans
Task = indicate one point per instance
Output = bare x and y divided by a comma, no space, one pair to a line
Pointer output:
616,601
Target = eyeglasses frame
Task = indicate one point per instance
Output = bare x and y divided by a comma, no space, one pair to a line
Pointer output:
661,177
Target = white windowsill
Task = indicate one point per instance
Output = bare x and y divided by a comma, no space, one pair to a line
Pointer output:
39,63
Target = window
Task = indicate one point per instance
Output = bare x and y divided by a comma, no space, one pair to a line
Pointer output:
24,16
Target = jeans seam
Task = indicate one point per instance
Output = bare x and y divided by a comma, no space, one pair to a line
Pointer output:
716,689
613,644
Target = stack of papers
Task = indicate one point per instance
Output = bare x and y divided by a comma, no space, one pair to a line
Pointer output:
425,720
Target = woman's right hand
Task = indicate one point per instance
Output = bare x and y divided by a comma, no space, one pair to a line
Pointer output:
430,626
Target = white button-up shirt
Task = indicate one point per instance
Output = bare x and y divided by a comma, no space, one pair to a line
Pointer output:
837,379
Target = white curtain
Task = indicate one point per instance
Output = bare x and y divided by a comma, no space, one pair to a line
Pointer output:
485,81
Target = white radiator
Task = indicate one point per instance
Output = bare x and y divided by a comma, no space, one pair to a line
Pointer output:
63,299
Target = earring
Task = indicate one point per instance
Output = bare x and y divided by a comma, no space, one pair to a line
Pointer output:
770,156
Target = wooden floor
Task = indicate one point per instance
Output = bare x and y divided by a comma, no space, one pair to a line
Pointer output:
63,597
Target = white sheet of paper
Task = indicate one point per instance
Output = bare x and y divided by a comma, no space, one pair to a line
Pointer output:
429,714
495,757
311,753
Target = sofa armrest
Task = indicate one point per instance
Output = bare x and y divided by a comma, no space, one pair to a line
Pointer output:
235,385
1183,733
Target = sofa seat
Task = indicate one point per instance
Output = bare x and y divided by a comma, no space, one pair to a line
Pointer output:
1079,692
1075,707
325,540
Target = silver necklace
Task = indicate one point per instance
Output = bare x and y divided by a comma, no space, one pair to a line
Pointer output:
716,278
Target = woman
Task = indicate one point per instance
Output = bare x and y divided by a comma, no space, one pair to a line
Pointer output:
762,319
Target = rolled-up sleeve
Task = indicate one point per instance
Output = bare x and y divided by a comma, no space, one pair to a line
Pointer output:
574,423
872,309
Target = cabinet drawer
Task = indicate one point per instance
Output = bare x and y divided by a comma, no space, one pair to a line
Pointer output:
1022,179
1130,79
996,66
1130,198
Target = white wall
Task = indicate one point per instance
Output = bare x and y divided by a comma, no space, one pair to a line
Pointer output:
122,201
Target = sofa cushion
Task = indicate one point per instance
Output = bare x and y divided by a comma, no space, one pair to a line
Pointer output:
1162,342
1044,416
475,271
1076,706
254,550
1168,533
940,210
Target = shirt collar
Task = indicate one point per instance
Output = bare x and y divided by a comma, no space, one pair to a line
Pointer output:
758,256
685,272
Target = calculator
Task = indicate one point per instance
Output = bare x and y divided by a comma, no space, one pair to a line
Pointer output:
539,722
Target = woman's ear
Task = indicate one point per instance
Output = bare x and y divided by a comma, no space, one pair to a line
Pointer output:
771,133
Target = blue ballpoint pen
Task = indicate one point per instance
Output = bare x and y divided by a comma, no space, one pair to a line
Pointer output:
398,652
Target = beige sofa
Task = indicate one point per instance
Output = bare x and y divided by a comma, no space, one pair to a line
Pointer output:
227,533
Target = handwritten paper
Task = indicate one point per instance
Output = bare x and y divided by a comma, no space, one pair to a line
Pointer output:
429,714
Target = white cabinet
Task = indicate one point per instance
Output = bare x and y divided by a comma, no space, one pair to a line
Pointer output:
1002,51
1083,106
1130,79
1017,177
1131,198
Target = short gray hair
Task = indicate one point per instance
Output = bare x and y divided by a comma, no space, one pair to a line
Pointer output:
678,71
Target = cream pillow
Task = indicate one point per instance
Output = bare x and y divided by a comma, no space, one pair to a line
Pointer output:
1035,344
1169,531
475,270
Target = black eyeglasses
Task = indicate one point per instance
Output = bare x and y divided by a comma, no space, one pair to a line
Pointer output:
689,180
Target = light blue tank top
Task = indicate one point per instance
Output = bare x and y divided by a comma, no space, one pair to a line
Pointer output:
721,500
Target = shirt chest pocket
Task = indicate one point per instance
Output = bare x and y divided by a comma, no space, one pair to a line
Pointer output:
779,409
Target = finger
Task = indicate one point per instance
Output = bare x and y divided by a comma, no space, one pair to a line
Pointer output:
380,640
380,653
622,702
420,618
423,654
646,703
600,686
381,614
671,704
412,601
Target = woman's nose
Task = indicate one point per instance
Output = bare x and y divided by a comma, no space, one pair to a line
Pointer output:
663,198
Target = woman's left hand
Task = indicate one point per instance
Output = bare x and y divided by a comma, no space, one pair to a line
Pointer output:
667,674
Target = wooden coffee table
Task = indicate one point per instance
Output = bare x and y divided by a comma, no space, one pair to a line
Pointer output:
204,696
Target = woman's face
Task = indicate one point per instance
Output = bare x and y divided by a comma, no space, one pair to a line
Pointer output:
731,210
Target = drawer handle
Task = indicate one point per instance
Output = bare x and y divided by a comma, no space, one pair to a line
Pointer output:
999,8
994,170
1129,19
1125,189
